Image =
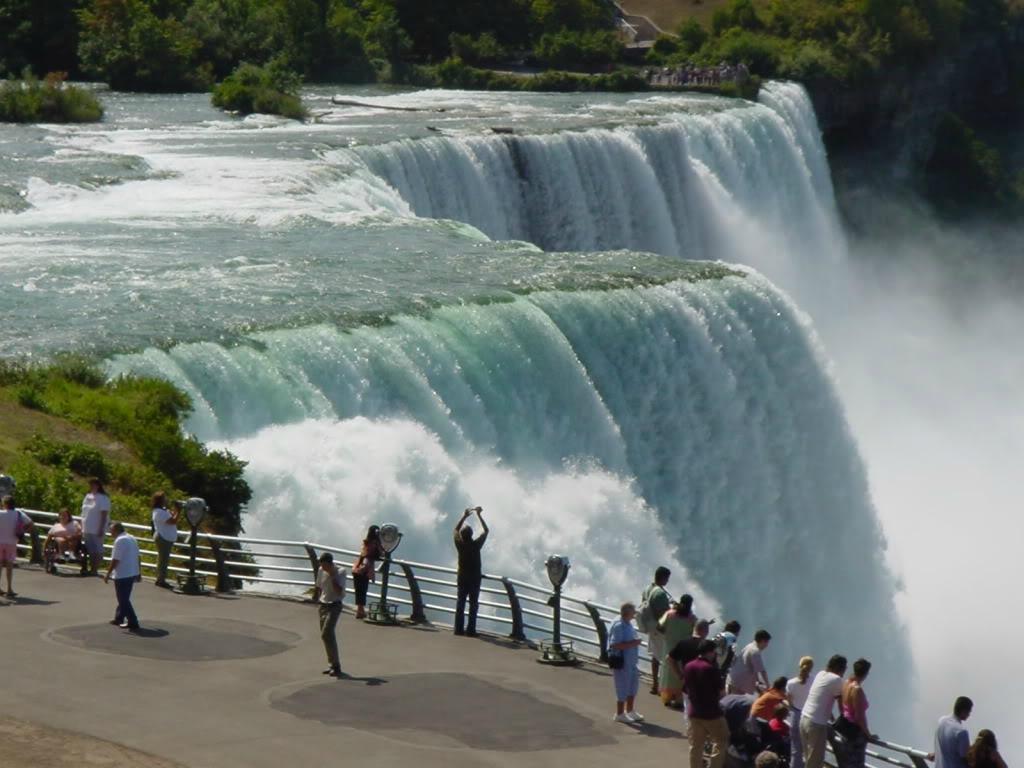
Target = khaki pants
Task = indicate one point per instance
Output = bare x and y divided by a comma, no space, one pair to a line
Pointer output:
700,732
814,738
329,613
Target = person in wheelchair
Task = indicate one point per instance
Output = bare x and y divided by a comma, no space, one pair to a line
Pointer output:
63,540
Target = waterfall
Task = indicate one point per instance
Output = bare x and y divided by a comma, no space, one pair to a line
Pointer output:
692,423
746,184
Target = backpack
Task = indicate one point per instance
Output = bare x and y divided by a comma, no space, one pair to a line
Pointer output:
725,652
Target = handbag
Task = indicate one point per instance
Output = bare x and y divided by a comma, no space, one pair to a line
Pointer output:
616,660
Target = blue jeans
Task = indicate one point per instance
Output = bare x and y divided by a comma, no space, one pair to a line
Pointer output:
469,589
125,612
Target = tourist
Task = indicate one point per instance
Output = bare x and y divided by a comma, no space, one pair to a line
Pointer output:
852,724
703,684
682,653
13,524
165,534
747,673
725,643
676,625
65,534
624,641
779,738
765,704
470,571
817,710
984,752
654,602
796,693
952,741
95,516
330,593
124,567
364,569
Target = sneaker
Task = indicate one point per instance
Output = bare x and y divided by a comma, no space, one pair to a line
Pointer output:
635,717
334,672
115,623
327,671
11,593
623,718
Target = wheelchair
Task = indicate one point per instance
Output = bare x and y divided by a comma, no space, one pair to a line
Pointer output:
52,558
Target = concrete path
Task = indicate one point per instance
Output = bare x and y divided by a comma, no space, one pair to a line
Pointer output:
224,681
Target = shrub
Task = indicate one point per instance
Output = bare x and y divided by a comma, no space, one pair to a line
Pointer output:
484,49
30,100
271,90
586,51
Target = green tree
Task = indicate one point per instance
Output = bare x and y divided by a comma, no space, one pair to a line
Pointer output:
126,44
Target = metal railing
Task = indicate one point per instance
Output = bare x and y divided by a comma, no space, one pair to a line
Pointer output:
520,610
517,609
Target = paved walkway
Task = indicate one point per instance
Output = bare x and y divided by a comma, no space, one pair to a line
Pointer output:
222,681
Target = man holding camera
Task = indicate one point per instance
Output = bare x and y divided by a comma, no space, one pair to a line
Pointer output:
470,571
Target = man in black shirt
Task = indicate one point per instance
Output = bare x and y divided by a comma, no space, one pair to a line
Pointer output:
470,571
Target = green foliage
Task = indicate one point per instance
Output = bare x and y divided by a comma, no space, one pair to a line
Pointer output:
39,36
45,488
144,415
30,100
582,51
126,43
454,73
965,174
271,90
484,49
579,15
692,36
79,458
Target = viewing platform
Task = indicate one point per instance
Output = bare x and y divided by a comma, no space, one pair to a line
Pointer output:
222,680
232,678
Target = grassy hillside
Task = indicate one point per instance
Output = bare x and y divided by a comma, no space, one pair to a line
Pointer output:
64,423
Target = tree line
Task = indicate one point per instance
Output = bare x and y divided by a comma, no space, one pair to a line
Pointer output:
175,45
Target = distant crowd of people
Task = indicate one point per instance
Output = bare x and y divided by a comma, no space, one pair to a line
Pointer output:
734,708
691,74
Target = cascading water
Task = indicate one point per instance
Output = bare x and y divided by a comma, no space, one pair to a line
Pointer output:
748,185
615,425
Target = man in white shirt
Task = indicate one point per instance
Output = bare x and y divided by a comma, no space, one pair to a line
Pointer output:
747,676
330,591
11,520
826,690
951,737
124,567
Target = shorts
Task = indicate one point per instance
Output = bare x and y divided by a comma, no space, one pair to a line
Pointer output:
8,553
94,543
656,645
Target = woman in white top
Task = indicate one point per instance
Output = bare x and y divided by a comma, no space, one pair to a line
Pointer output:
796,693
95,516
165,534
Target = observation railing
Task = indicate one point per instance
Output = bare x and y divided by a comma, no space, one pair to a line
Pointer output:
517,609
